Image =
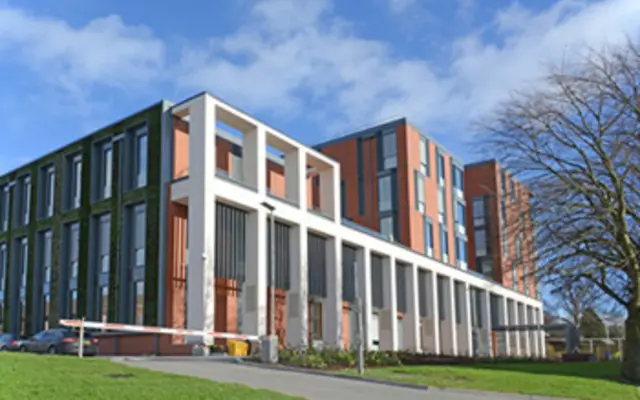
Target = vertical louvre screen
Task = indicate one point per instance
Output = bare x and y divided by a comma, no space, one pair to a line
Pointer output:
230,243
282,253
317,276
401,287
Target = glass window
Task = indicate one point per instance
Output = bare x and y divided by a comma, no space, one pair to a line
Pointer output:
386,227
50,187
441,166
236,172
73,303
519,248
26,198
428,235
139,226
5,201
24,254
478,211
460,214
106,171
481,242
389,152
104,243
442,200
512,191
384,194
23,317
444,242
486,267
458,178
47,311
103,303
424,156
3,266
141,159
420,203
74,247
47,255
139,303
76,181
514,275
461,249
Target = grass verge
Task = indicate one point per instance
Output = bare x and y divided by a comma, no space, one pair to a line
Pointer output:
584,381
28,376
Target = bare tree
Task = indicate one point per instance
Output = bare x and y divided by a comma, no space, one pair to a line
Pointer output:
575,143
572,299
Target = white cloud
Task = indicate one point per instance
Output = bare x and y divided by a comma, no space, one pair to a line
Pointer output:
284,60
105,51
307,61
399,6
466,8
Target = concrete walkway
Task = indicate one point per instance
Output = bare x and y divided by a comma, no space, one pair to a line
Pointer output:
312,386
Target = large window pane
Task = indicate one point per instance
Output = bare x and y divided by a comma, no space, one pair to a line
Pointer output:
73,303
478,211
74,244
139,235
389,150
139,303
481,242
107,171
424,156
50,191
384,194
141,159
104,243
419,182
386,227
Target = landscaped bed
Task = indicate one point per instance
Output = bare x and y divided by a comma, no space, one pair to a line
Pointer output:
28,376
579,380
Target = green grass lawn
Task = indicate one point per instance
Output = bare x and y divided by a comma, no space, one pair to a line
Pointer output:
28,376
585,381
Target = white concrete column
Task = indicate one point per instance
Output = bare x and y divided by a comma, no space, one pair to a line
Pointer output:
254,160
389,315
467,318
295,174
516,314
435,311
487,321
332,304
542,335
527,336
363,275
330,193
254,302
201,214
298,293
452,316
412,334
505,322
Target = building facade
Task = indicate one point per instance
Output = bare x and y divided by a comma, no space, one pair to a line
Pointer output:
404,185
501,237
159,219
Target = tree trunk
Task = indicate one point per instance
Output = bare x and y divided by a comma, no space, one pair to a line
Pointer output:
631,348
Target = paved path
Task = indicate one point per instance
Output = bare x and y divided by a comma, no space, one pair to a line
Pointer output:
309,385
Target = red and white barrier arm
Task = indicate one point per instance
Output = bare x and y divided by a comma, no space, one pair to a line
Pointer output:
76,323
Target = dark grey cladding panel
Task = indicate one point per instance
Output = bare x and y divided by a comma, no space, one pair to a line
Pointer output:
317,262
377,287
423,293
348,273
282,254
401,286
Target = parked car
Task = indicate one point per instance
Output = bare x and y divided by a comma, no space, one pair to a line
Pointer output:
9,342
60,341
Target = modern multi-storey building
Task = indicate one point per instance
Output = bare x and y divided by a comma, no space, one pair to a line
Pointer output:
501,238
162,219
404,185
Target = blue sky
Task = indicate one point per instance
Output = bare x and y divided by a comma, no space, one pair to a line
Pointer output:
314,69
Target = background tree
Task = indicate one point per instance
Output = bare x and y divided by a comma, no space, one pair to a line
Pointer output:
575,142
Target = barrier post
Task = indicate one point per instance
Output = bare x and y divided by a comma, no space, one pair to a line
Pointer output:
81,341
